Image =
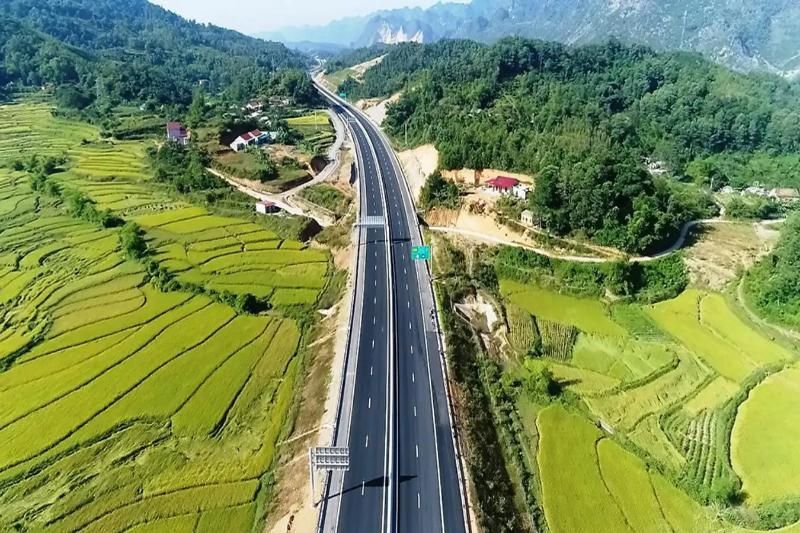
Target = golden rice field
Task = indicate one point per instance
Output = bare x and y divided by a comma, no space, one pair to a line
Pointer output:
124,407
665,378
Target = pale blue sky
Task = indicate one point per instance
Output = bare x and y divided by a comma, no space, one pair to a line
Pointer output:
253,16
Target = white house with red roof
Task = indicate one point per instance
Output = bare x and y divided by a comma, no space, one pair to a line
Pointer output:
510,186
251,138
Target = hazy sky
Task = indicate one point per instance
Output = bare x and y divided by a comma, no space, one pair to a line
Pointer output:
265,15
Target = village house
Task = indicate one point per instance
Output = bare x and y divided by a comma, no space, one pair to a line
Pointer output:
177,133
784,195
251,138
509,186
527,218
266,207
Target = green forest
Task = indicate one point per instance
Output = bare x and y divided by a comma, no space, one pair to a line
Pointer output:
129,51
585,119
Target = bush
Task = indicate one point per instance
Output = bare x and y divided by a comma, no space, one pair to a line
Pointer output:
439,192
131,237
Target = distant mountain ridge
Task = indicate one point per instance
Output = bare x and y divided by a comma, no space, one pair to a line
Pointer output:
743,34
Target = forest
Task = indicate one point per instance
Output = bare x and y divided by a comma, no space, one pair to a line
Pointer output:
585,120
130,51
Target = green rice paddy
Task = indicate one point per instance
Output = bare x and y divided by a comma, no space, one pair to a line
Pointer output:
126,408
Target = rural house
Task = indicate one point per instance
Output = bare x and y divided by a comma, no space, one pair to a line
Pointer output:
251,138
502,184
177,133
266,207
506,185
785,195
527,218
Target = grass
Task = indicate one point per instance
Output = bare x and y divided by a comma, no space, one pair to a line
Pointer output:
587,315
765,437
128,408
329,197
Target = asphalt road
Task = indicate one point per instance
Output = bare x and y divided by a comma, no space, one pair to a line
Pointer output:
403,475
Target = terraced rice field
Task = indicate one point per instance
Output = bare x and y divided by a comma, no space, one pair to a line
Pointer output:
587,315
587,478
669,378
765,438
126,408
706,326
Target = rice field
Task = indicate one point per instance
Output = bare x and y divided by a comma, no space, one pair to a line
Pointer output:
765,437
586,478
126,408
590,316
705,325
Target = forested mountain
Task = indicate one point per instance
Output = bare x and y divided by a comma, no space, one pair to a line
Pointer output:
129,50
743,34
584,119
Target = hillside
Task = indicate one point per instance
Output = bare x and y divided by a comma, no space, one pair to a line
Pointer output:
763,34
584,119
129,50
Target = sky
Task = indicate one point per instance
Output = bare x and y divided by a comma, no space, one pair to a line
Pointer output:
254,16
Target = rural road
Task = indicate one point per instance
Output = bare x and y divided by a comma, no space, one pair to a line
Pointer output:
394,411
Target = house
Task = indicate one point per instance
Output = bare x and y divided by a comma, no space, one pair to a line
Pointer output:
177,133
755,190
785,195
527,218
251,138
727,190
265,207
521,191
502,185
254,106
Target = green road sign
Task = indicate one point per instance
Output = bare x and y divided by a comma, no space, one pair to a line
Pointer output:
421,253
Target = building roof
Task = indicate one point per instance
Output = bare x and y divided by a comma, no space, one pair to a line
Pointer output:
175,130
503,182
250,135
786,193
266,203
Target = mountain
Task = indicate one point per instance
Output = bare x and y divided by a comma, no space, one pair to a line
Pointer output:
743,34
129,50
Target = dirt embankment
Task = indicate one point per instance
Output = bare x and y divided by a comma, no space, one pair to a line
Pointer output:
418,164
376,108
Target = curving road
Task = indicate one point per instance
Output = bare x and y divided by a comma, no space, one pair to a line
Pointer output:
394,411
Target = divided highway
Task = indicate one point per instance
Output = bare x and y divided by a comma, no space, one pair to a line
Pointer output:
394,413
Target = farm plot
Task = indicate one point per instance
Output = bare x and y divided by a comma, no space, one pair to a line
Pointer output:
681,318
586,476
624,359
587,315
124,407
226,255
765,436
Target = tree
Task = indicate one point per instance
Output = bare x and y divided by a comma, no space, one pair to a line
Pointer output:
197,109
131,238
438,191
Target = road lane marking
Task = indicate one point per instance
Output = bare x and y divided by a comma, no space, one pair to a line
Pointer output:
417,449
412,349
373,320
366,442
373,344
370,371
415,411
369,402
413,378
375,300
363,483
409,304
409,326
419,504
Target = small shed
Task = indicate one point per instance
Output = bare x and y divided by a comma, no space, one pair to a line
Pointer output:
265,207
527,217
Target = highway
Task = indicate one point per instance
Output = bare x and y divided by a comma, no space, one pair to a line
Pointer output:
394,413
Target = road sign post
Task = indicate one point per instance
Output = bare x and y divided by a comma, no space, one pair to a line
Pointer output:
421,253
328,459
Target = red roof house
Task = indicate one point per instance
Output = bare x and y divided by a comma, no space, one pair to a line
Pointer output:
502,184
254,137
177,133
